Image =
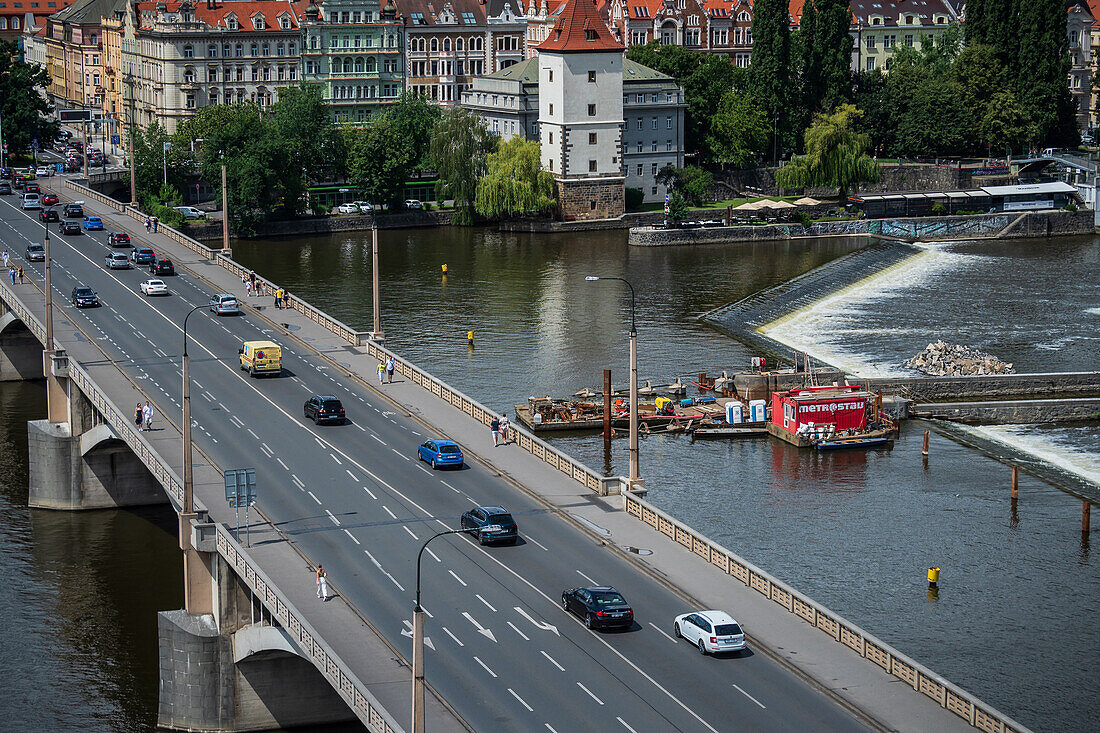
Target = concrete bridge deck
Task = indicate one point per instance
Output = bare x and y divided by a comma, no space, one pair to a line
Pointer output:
350,497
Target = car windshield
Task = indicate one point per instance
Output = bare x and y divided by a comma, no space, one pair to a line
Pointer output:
727,630
83,291
228,301
607,599
36,248
504,520
449,449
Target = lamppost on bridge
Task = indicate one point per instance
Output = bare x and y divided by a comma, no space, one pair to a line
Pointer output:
188,474
418,635
129,81
634,478
195,598
376,334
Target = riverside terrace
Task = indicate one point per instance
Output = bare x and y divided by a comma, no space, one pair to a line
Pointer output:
328,495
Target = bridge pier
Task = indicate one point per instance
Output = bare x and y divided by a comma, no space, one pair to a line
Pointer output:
20,351
234,670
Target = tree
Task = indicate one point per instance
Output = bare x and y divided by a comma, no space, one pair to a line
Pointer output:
461,144
993,23
151,161
836,155
379,161
23,106
1042,69
677,207
872,96
739,130
302,124
1003,124
825,54
691,182
515,181
770,71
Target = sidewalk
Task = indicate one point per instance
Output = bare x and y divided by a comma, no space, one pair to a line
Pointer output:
855,682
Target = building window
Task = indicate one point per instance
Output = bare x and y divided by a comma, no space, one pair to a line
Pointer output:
654,123
212,51
591,77
591,138
641,168
591,110
870,42
190,103
653,147
870,63
654,169
639,146
668,146
909,39
888,41
240,50
551,138
668,123
551,112
189,52
551,75
284,23
292,72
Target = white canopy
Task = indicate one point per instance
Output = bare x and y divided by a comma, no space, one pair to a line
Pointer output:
807,201
747,206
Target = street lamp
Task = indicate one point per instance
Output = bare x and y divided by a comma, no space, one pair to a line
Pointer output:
188,479
634,478
376,334
418,634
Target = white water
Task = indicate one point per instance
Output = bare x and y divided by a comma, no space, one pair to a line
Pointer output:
1049,448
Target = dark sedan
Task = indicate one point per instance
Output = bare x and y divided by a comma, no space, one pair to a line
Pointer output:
162,266
118,239
71,227
600,607
5,188
142,256
491,524
48,215
324,408
74,211
85,297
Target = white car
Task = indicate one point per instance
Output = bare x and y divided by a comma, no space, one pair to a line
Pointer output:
43,170
154,287
190,212
364,207
413,204
347,209
711,631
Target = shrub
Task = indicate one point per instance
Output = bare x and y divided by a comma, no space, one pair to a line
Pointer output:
321,210
1071,206
635,197
804,219
938,209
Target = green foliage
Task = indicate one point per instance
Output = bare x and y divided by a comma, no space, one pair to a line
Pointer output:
825,54
384,154
804,219
322,209
1071,205
151,161
635,198
169,195
739,130
151,205
836,154
770,72
302,124
938,209
23,108
515,181
691,182
460,146
677,207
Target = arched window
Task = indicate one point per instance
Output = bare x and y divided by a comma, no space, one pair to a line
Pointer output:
280,49
267,49
347,66
240,50
434,45
359,65
312,43
458,44
446,45
371,67
212,50
252,50
292,48
189,51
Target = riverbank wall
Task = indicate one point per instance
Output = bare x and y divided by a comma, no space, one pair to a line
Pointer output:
1012,412
328,225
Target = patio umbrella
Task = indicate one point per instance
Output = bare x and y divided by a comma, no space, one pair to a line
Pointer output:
765,204
807,201
747,206
782,205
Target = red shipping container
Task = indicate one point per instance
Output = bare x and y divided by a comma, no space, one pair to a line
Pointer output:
845,408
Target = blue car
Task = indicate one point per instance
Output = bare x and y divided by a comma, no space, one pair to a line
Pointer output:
491,524
440,453
93,223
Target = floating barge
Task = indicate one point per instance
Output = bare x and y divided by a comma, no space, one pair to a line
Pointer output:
546,414
830,418
728,430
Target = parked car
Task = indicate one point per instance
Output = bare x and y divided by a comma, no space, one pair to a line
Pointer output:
600,607
154,287
6,173
93,223
31,201
324,408
224,304
162,266
48,215
413,204
49,199
84,297
347,209
117,261
712,632
118,239
190,212
5,188
440,453
35,252
70,227
364,207
74,210
142,256
491,524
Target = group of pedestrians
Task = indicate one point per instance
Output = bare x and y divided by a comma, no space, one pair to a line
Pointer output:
143,416
15,273
151,224
385,370
255,286
500,429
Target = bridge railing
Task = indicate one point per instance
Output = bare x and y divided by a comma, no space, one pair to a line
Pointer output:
335,670
94,195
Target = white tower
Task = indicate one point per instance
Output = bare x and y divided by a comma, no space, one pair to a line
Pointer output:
581,113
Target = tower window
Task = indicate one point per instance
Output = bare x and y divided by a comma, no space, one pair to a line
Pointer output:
592,77
591,110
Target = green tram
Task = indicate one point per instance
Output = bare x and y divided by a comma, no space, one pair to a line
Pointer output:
421,189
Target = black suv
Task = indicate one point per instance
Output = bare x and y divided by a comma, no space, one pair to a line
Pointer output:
162,266
73,211
600,606
48,215
85,297
118,239
324,408
480,519
5,188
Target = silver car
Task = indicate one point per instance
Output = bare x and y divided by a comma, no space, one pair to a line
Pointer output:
224,304
117,261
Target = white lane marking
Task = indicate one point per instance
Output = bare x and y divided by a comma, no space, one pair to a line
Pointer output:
314,497
590,693
460,580
257,437
662,633
384,571
233,419
267,451
332,517
320,442
429,551
521,700
349,534
529,538
449,486
550,728
408,632
423,469
338,461
448,633
374,497
486,667
411,533
537,624
353,476
625,724
400,453
297,480
378,439
392,515
480,629
478,596
553,661
361,428
587,578
750,697
516,629
285,467
197,383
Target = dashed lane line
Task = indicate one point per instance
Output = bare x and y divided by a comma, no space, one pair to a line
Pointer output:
552,661
521,700
314,497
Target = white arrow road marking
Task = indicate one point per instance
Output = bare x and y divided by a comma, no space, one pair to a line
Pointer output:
427,639
538,624
480,629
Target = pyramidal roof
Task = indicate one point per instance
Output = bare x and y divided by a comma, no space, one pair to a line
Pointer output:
580,29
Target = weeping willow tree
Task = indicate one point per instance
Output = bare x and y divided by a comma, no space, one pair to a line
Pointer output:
515,181
836,155
459,147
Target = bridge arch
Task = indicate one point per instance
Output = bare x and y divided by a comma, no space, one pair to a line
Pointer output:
20,351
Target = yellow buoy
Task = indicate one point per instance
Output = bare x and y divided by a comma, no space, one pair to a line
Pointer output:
470,336
444,268
933,577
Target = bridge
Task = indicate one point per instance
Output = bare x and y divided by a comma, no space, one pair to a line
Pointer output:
254,648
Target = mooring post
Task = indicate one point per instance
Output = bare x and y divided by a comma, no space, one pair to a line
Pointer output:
924,445
1086,510
607,408
1016,482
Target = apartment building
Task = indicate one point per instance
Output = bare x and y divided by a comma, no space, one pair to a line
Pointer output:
880,27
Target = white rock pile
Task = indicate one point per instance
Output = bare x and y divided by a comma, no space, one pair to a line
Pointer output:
942,359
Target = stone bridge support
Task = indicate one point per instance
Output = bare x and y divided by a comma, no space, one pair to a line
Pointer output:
20,352
234,670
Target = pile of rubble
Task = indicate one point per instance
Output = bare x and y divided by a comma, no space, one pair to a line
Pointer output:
942,359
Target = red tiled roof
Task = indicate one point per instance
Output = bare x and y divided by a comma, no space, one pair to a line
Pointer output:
244,10
580,29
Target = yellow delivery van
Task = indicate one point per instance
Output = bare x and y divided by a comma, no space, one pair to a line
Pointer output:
261,357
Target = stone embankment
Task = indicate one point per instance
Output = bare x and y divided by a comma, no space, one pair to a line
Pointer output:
941,359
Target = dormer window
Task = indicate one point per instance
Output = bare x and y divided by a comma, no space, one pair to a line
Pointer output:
231,23
590,34
284,23
258,23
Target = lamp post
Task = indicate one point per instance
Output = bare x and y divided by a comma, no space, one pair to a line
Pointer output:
129,81
634,477
418,635
376,289
188,477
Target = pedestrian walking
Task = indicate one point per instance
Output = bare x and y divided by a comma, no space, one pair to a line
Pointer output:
279,298
248,287
20,274
6,257
389,369
252,278
261,289
139,416
156,223
148,224
381,373
244,278
494,425
504,427
11,275
147,415
322,583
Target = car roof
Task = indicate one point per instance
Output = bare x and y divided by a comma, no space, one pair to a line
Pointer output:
493,509
327,397
717,617
444,441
